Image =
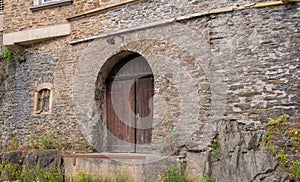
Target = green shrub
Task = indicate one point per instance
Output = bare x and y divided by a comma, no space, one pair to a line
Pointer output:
38,174
172,174
7,56
207,178
10,171
295,168
121,178
47,142
83,176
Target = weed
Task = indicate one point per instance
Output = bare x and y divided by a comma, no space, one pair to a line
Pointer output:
121,178
280,128
38,174
11,171
172,174
282,157
215,154
207,178
295,168
33,145
83,176
47,142
7,56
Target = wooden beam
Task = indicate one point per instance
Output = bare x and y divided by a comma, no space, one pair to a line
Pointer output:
266,4
290,1
275,3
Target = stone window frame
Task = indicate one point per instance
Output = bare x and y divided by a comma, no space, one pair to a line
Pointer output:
37,90
41,4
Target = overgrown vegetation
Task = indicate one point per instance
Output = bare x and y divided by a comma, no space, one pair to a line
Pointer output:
206,178
16,172
43,142
5,61
7,57
83,176
11,171
172,174
289,152
215,154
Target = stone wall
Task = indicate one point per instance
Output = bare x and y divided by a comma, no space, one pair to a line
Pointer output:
238,66
18,119
19,17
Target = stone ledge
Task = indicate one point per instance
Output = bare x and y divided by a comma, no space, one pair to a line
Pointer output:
27,37
103,9
51,5
107,156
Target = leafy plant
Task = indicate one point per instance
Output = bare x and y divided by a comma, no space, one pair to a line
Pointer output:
11,171
215,154
47,142
207,178
172,174
7,56
38,174
83,176
33,145
282,157
121,178
280,128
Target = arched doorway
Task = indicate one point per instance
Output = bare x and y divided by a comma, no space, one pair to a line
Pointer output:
129,92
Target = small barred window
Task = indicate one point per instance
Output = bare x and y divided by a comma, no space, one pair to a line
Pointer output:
43,99
45,4
39,2
1,7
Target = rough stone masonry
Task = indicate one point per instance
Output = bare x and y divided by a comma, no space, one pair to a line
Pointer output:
221,69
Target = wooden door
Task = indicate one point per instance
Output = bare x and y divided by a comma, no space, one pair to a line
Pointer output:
144,116
129,106
121,124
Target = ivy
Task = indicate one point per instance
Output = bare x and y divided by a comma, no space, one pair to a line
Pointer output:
7,57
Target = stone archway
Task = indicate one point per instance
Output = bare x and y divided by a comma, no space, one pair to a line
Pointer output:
127,103
182,96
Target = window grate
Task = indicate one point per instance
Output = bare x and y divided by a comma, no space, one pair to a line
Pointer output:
1,7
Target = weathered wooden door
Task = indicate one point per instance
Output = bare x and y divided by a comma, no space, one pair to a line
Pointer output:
144,116
121,121
129,106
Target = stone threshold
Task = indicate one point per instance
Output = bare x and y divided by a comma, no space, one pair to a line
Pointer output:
103,9
113,156
185,17
107,155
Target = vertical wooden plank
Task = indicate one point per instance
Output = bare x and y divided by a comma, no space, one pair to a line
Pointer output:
120,122
110,116
144,106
